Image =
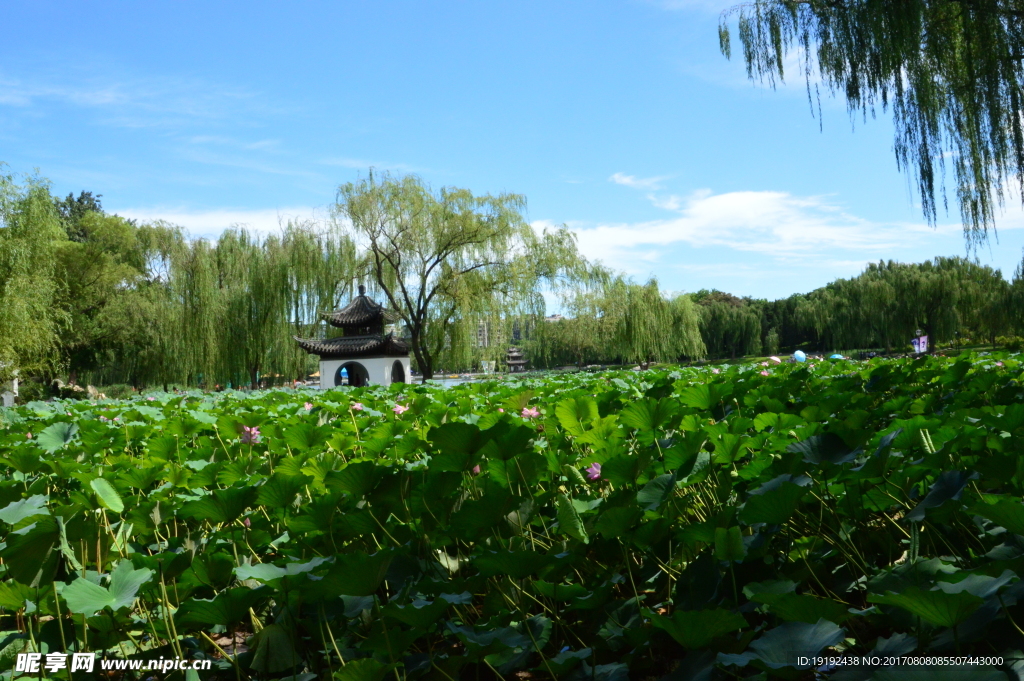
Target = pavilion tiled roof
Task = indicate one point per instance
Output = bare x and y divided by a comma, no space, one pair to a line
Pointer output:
355,346
360,312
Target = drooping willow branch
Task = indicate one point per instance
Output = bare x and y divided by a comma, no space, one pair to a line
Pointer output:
949,70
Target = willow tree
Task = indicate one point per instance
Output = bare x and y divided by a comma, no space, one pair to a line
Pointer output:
444,259
951,70
1015,300
320,263
609,317
646,326
847,313
884,312
729,326
580,332
188,290
253,277
932,295
30,322
985,310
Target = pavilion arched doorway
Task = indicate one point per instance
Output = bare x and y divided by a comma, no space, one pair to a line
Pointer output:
397,372
352,374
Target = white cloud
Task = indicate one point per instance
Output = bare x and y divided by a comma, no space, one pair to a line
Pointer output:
210,223
771,244
363,164
776,229
231,142
200,153
671,202
637,182
133,101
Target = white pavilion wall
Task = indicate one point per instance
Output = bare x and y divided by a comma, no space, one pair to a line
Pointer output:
378,368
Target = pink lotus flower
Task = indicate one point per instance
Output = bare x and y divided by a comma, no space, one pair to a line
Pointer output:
764,373
716,370
594,471
308,405
250,436
358,406
246,522
530,412
764,364
500,410
151,399
28,436
999,364
399,409
476,469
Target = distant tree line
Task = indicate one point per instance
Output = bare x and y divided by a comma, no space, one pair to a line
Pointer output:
610,319
96,298
950,300
882,309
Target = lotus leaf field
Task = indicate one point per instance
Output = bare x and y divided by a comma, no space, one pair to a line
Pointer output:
689,523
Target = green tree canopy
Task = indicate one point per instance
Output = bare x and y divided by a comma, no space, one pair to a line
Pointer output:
30,236
100,273
609,317
73,210
443,260
951,70
730,326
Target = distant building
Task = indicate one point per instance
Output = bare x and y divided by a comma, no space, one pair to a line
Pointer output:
364,354
483,334
515,360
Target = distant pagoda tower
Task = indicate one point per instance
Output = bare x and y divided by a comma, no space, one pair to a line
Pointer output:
515,361
364,354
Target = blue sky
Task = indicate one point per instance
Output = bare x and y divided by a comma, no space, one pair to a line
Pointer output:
619,119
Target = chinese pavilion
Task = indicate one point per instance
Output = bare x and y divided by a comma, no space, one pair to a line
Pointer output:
515,361
364,354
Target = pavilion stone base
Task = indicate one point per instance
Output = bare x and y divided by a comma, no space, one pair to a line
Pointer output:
379,370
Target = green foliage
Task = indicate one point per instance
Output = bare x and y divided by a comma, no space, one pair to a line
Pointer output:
448,261
107,495
30,237
85,597
935,607
102,299
736,519
101,274
951,300
17,511
56,435
613,319
730,326
697,629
